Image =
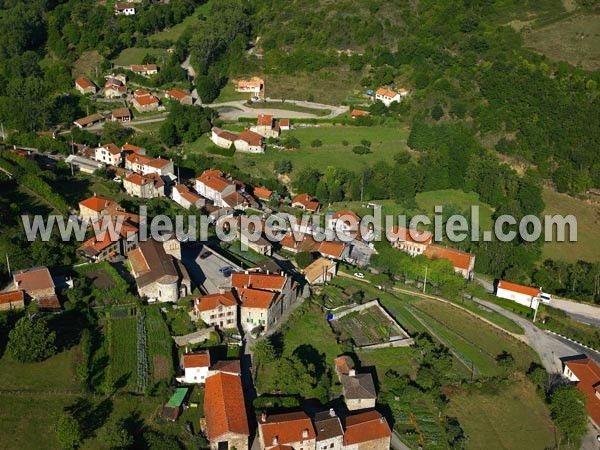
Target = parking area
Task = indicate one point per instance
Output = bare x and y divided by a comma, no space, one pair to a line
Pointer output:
204,266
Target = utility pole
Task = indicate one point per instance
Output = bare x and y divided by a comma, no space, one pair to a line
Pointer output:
8,264
425,281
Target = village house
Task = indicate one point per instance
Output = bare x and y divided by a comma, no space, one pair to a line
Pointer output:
386,96
85,165
266,126
158,271
95,207
129,149
120,115
359,113
367,431
184,197
231,366
218,310
144,165
253,86
124,9
145,103
108,154
329,431
222,138
100,248
214,186
411,241
195,367
185,98
464,263
293,429
88,121
260,245
586,373
305,202
38,285
85,86
250,142
523,295
320,271
150,185
333,249
144,69
359,389
263,194
12,300
344,221
226,418
284,124
114,87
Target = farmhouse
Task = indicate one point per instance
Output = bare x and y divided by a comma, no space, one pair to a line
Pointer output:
359,390
214,186
586,373
150,185
386,96
108,154
330,434
305,202
218,310
124,9
332,249
195,366
226,417
120,115
266,126
12,300
294,429
114,89
89,121
359,113
158,273
253,86
284,124
144,69
411,241
37,283
367,431
184,196
100,248
523,295
250,142
144,165
320,271
263,194
128,149
145,103
344,221
85,86
185,98
222,138
464,263
96,207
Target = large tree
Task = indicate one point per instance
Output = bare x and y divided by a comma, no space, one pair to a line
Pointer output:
31,340
569,412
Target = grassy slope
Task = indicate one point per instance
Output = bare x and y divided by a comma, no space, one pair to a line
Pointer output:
135,55
175,32
588,217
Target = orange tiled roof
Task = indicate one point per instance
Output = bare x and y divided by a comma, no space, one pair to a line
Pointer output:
256,298
224,134
347,215
284,122
307,202
386,92
141,180
112,149
460,260
246,83
131,148
262,193
366,427
84,83
214,179
410,235
49,302
269,282
97,203
264,120
343,364
526,290
224,406
187,194
213,301
12,297
146,100
178,94
144,160
332,248
121,112
359,112
142,67
588,373
287,428
199,359
251,138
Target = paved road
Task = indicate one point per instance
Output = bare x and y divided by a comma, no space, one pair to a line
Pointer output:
239,109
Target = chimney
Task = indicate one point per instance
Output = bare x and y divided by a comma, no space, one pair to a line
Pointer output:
263,417
352,373
305,434
275,440
332,412
382,419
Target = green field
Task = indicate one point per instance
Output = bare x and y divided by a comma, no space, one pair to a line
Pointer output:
588,218
512,418
135,55
229,94
160,345
289,106
122,352
175,32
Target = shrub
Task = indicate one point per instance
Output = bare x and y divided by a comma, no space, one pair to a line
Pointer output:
361,150
316,143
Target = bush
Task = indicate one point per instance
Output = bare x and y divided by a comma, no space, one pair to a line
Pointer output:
361,150
316,143
229,152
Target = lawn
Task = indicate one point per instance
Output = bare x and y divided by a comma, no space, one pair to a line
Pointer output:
135,55
122,334
514,417
588,218
288,106
574,39
87,64
229,94
160,345
174,33
386,142
476,341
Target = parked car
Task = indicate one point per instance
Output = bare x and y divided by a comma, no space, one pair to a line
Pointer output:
359,275
117,180
205,255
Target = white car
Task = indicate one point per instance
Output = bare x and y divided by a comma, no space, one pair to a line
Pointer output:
117,180
359,275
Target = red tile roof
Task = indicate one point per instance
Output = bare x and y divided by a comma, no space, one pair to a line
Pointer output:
365,427
333,248
12,297
229,366
359,112
246,84
142,67
49,303
131,148
255,298
343,364
284,123
198,359
269,282
146,100
307,202
588,373
97,203
287,428
460,260
386,92
224,134
144,160
410,235
514,287
264,120
212,301
251,138
142,180
33,279
214,179
84,83
178,94
121,112
224,406
187,193
263,193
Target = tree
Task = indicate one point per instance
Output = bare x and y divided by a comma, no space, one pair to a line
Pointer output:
437,112
265,351
316,143
569,413
168,134
115,132
31,340
291,142
283,166
68,431
303,259
505,360
117,436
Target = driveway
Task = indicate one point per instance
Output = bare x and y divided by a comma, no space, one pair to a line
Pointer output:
205,272
235,109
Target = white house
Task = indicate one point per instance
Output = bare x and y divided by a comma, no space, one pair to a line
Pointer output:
195,366
184,196
214,186
108,154
222,138
250,142
144,165
124,9
386,96
523,295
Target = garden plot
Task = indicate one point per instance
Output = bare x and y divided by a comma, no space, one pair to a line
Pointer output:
368,324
